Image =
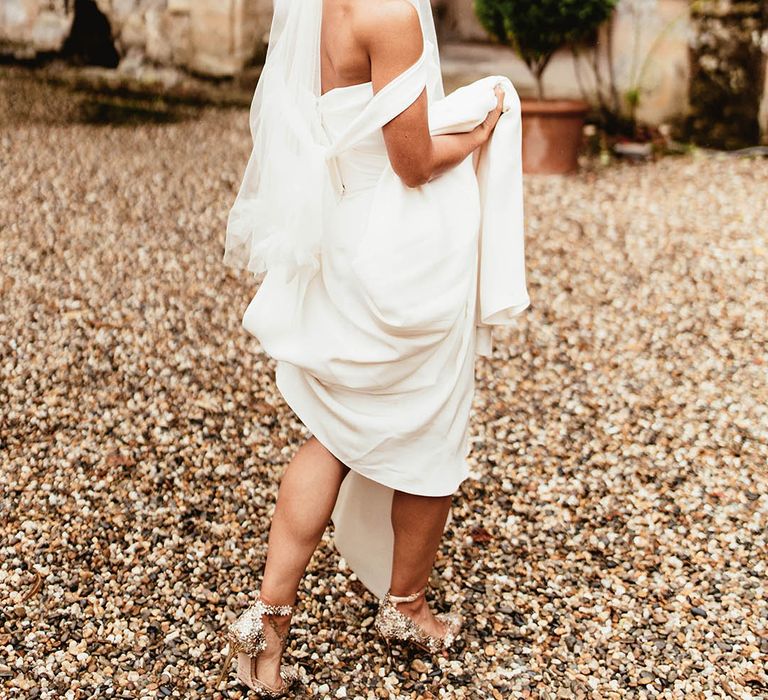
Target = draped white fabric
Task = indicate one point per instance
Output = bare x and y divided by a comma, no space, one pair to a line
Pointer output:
375,313
503,293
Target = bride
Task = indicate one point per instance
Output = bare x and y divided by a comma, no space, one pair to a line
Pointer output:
364,226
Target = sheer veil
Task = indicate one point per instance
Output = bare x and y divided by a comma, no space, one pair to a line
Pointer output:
276,219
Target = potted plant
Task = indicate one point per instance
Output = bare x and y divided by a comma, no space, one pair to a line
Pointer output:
537,29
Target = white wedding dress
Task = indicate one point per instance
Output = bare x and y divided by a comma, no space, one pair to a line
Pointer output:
375,346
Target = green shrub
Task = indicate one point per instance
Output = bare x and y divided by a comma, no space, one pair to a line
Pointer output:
536,29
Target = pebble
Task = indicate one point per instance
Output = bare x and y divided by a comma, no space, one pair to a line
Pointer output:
608,543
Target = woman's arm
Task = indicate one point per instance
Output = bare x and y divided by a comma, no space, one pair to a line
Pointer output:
450,149
391,33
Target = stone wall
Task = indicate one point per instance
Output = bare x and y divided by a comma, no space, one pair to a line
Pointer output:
728,72
209,37
28,27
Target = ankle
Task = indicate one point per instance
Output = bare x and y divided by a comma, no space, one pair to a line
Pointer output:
277,631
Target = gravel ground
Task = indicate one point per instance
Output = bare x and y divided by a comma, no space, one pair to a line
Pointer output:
611,543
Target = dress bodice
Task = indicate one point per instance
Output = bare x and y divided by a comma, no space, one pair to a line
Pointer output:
360,166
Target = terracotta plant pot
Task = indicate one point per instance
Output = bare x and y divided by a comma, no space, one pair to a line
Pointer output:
552,133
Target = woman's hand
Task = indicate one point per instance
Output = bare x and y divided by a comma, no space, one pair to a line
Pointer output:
487,127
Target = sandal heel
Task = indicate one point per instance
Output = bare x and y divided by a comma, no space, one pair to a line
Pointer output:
247,638
225,666
387,643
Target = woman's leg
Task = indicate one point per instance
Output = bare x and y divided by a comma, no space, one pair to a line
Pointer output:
418,522
305,501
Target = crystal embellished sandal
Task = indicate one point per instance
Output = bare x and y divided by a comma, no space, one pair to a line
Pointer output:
247,639
392,624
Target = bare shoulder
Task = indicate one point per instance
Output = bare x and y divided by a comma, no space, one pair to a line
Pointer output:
394,22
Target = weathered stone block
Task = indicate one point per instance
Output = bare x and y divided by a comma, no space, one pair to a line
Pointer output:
50,30
178,30
181,6
728,73
29,26
158,46
212,40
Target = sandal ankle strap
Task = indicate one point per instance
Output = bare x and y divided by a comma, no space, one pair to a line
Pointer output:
406,598
269,609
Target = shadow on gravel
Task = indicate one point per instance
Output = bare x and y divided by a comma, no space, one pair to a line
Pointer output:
31,98
120,112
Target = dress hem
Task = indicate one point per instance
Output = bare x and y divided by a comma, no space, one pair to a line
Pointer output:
293,404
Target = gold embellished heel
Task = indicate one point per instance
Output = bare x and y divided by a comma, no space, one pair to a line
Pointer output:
387,643
246,638
392,624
